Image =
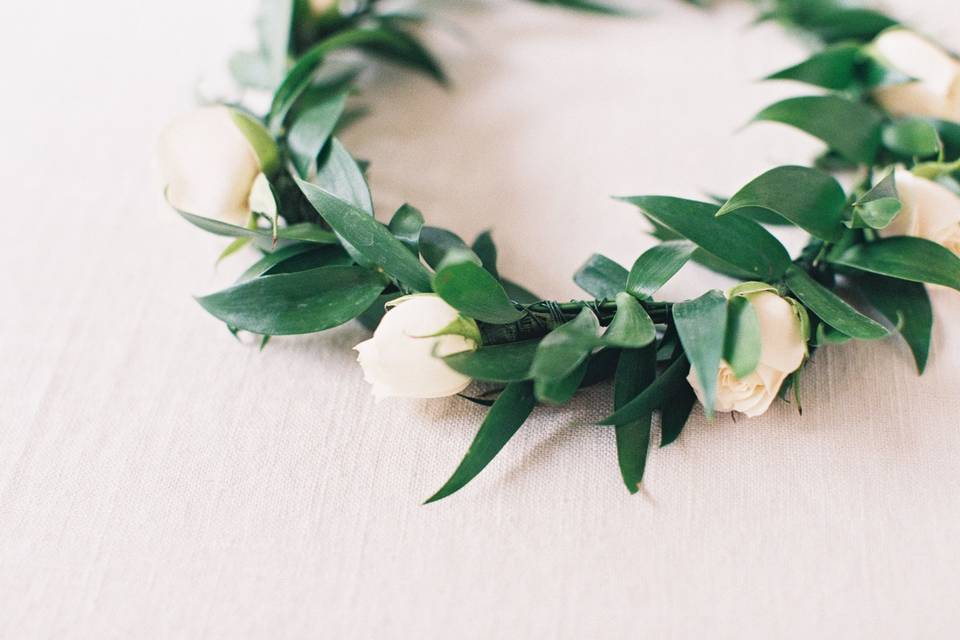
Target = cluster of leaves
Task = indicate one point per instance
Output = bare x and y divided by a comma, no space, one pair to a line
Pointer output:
328,260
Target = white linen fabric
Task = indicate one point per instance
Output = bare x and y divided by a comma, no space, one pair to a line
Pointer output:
160,480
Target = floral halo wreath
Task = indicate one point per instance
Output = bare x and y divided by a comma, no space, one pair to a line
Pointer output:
443,315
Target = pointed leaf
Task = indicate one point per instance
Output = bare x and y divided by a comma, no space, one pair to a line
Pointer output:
742,345
486,250
676,412
406,225
732,239
701,325
473,291
601,277
906,258
851,128
654,397
907,306
368,237
631,326
311,130
294,303
833,68
657,265
636,370
504,419
509,362
809,198
831,308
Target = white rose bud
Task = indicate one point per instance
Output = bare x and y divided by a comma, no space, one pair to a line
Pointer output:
403,357
929,211
935,90
208,165
783,350
318,7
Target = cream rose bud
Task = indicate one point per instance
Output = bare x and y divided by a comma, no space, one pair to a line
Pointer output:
321,6
783,350
935,88
929,211
208,165
403,357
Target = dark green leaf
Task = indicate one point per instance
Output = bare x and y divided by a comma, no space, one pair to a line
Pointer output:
436,243
473,291
601,277
636,370
405,225
305,231
519,294
657,395
831,309
506,416
906,258
311,130
731,239
913,137
391,43
509,362
560,391
589,6
294,84
631,326
293,303
742,346
370,238
564,349
676,411
907,306
701,324
296,257
879,206
486,250
851,128
833,68
656,266
340,175
811,199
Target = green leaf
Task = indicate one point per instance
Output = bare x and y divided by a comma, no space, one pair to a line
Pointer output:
296,257
832,309
262,143
504,419
509,362
304,231
907,306
406,225
473,291
564,349
588,6
486,250
370,238
657,265
312,129
849,23
731,239
809,198
742,345
436,243
833,68
913,137
631,326
518,293
294,303
657,395
601,277
879,206
236,245
701,325
906,258
676,411
636,370
340,175
851,128
389,42
560,391
297,80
